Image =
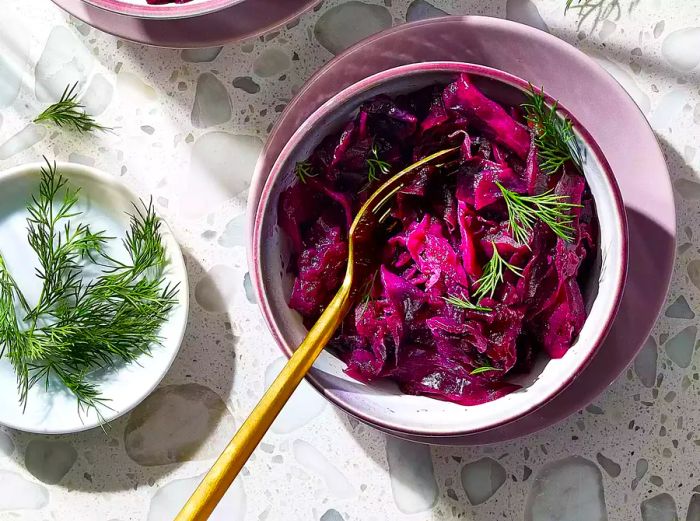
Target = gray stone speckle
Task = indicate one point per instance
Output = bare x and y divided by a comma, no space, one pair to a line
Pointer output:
645,362
74,157
640,471
204,55
694,508
694,272
271,62
680,347
570,489
609,466
64,61
348,23
661,507
688,189
98,95
422,10
247,84
594,409
178,423
216,289
659,28
681,48
525,12
7,446
481,479
49,461
212,104
412,475
331,515
248,288
680,309
234,233
29,136
656,480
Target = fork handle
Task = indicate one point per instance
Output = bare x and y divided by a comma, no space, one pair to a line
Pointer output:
219,478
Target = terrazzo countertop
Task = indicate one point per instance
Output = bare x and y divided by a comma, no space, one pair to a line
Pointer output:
185,121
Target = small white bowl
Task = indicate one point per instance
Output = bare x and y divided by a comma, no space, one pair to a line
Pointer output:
381,404
105,201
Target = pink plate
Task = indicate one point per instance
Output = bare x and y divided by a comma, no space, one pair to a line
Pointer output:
600,104
236,22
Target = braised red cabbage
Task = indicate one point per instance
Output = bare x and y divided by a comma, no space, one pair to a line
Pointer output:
404,329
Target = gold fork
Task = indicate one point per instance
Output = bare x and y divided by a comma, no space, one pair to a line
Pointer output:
362,260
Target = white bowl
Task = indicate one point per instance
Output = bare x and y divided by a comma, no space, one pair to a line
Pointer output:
105,201
382,404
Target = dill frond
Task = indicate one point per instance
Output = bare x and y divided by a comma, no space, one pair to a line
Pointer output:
548,207
554,135
78,327
494,272
375,166
69,112
463,303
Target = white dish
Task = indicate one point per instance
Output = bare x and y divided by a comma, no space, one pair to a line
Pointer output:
105,201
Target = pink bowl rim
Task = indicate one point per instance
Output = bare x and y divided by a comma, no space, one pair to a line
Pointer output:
163,12
212,30
348,93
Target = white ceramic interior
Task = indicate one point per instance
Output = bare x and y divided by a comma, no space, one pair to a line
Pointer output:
105,202
381,403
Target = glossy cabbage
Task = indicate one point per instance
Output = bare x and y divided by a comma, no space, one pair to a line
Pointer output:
403,329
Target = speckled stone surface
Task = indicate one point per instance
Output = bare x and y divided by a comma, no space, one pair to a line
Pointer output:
190,125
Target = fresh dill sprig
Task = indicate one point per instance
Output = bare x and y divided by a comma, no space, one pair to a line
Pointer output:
463,303
367,292
375,166
552,209
11,336
61,250
483,369
554,135
598,10
77,327
303,171
364,302
69,112
493,274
